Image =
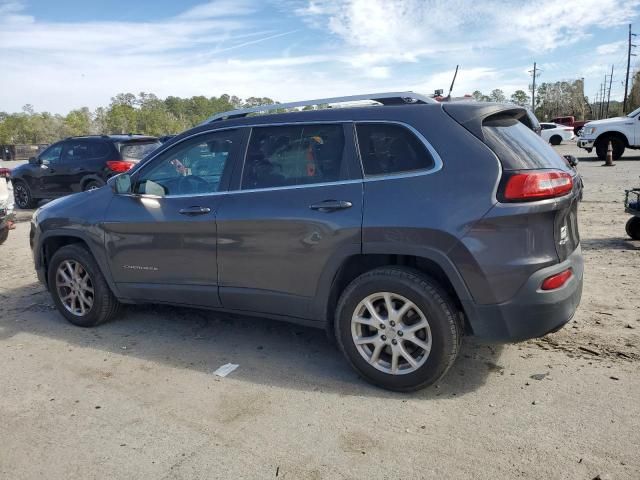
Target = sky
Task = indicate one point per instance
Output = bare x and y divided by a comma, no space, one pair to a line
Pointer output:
65,54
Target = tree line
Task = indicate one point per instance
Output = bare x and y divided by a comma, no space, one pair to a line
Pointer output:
564,98
147,114
127,113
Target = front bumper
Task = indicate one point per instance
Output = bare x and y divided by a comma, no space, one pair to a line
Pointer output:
586,143
532,312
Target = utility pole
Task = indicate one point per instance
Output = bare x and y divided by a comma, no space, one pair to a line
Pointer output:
604,90
626,82
609,94
534,73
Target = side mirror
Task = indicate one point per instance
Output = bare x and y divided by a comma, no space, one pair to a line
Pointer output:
571,160
120,184
34,161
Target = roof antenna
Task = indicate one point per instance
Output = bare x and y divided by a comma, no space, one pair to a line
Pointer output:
452,82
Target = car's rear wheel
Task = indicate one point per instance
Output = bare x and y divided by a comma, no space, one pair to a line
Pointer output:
603,144
633,228
22,195
398,328
92,185
555,140
79,289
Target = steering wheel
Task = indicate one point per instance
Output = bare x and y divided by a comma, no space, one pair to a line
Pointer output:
192,184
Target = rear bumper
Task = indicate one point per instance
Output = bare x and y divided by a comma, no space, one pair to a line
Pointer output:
532,312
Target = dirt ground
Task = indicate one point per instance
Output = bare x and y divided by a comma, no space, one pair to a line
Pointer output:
136,398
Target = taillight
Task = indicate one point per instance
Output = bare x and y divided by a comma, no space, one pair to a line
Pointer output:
119,166
5,173
537,185
557,280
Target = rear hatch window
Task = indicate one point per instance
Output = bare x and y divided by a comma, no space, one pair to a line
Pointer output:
517,147
136,150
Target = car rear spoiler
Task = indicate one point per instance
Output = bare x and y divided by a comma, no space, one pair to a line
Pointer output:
471,115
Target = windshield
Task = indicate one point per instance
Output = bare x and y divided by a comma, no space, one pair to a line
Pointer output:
136,151
634,113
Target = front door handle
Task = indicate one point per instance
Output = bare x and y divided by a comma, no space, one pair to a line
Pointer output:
192,211
331,205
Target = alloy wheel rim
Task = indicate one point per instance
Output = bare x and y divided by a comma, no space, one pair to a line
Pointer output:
23,195
391,333
74,287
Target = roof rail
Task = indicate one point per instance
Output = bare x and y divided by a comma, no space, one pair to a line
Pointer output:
385,98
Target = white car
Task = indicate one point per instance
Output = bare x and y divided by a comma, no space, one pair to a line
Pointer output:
622,132
555,134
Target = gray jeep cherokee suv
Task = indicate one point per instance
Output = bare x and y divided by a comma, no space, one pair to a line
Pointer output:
397,227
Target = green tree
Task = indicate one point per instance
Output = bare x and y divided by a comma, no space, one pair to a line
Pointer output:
497,95
520,97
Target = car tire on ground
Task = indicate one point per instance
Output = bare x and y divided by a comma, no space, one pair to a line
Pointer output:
603,144
555,140
92,185
22,195
398,328
633,228
79,289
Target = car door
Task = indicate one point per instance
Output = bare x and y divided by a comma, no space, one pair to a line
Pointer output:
56,180
161,237
39,170
296,216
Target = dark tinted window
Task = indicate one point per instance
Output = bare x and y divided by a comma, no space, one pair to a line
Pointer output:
99,149
294,155
137,150
387,149
194,166
75,151
51,154
517,147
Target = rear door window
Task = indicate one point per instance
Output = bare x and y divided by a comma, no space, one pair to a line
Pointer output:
390,149
517,147
295,155
75,151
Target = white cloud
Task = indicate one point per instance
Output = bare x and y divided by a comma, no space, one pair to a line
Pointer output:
219,8
612,48
356,46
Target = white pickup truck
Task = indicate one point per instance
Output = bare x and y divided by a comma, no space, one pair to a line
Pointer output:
622,132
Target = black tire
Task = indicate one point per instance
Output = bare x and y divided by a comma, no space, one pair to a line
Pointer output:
92,185
603,144
436,306
555,140
105,305
22,196
4,234
633,228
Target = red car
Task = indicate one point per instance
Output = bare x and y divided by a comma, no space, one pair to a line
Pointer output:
570,121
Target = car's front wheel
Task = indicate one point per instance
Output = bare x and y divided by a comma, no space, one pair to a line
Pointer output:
79,289
617,146
22,196
398,328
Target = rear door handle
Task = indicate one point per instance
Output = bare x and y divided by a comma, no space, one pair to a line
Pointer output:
331,205
192,211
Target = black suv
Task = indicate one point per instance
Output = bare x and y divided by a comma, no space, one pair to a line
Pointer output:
77,164
397,227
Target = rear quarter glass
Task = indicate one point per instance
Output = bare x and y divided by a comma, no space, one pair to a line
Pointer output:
134,151
517,147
